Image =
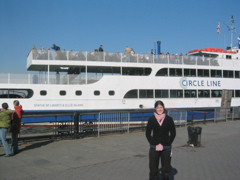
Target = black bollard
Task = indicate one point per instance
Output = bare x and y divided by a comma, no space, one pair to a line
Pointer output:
205,118
76,125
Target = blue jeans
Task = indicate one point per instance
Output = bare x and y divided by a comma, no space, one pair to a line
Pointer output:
3,141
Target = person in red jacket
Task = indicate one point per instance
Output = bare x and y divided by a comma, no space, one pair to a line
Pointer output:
16,125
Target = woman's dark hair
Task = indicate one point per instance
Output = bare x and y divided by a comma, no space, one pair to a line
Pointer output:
4,105
159,103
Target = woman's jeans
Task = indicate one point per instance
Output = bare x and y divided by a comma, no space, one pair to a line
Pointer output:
3,141
14,142
154,157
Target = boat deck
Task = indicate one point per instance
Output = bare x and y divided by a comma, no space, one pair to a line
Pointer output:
53,62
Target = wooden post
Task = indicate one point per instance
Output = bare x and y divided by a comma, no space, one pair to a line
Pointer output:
226,103
226,98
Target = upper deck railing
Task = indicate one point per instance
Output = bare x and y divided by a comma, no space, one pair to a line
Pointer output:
66,55
101,57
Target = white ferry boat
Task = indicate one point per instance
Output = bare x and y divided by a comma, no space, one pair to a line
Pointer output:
81,80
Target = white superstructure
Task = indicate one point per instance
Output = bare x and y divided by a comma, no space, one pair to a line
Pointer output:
96,80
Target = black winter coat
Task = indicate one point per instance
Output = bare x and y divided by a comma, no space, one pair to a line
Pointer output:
164,134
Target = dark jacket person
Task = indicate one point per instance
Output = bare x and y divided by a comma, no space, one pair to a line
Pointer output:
160,133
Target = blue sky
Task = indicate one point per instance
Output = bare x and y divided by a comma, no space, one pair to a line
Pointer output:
181,26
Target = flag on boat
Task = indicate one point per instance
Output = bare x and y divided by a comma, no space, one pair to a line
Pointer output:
218,28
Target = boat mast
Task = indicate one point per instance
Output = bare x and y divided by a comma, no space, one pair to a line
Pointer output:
232,29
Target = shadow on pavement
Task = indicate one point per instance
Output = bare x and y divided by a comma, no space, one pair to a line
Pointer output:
36,145
172,174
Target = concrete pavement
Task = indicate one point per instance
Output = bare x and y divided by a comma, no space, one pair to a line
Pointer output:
125,157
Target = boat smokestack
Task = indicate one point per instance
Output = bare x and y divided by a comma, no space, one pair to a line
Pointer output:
158,47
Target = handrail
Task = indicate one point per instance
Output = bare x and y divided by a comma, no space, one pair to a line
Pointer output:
77,127
66,55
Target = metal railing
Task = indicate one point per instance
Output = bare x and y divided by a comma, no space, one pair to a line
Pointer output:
69,55
226,114
101,57
113,122
179,117
11,78
79,124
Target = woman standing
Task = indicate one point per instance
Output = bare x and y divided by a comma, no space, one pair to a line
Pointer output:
5,123
16,125
160,133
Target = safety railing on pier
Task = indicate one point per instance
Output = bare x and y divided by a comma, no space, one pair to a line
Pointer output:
215,115
79,124
113,121
179,117
226,114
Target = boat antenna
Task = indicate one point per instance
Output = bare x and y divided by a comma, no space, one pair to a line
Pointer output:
231,28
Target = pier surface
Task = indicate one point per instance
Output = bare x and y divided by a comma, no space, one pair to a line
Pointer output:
125,157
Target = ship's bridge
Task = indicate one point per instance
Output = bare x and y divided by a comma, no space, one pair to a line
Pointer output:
215,52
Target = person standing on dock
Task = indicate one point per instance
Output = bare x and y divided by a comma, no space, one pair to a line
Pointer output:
16,125
5,123
160,133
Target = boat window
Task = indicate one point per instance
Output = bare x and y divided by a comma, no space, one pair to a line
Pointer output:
162,72
133,71
203,72
146,93
43,93
132,94
176,93
190,93
189,72
96,93
74,71
175,72
78,93
237,74
102,70
16,93
216,73
161,93
111,93
228,57
237,93
62,93
203,93
227,74
216,93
